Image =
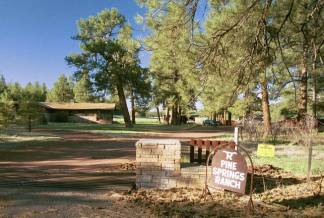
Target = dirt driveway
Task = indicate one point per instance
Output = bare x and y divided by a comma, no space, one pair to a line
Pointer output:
79,175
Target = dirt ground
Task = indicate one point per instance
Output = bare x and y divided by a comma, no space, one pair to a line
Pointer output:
92,175
76,176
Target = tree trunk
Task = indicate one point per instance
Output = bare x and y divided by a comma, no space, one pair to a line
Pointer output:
175,113
222,118
265,105
247,94
179,120
175,107
214,116
309,161
133,108
314,93
302,101
123,104
158,113
225,117
29,124
314,84
168,116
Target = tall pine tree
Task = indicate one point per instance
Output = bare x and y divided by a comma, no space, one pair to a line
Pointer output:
83,89
109,53
62,90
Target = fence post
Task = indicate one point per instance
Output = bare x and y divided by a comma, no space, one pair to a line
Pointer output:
236,136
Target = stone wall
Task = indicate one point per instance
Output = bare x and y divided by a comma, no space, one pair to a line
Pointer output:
158,166
192,176
157,163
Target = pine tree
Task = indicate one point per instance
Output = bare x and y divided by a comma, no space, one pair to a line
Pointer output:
7,110
140,91
173,64
62,90
15,91
2,84
83,89
29,110
109,53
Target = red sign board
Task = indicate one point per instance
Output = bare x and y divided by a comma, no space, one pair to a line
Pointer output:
229,170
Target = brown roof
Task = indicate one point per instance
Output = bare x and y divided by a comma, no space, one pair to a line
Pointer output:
78,106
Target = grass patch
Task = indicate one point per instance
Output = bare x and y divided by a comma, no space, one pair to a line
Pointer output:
139,120
27,137
296,165
113,128
295,162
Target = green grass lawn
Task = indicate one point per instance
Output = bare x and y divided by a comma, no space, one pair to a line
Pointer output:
296,165
142,125
139,120
295,162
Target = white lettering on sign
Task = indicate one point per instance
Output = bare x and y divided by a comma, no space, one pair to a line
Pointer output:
228,173
228,182
228,164
229,155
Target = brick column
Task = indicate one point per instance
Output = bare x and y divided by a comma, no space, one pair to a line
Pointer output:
158,163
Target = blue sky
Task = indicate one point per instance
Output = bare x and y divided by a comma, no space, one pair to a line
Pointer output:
35,35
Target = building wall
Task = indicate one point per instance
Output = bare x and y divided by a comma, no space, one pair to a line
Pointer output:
81,116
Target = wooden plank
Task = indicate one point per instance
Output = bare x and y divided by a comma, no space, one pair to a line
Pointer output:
200,145
192,153
200,154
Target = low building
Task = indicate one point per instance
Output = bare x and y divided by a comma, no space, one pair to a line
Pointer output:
101,113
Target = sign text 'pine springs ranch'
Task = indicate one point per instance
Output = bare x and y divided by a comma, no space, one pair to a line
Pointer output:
229,171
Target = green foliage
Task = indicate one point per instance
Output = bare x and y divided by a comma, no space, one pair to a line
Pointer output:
83,89
15,91
62,90
107,38
140,88
34,92
286,108
28,109
2,84
20,105
242,46
7,110
245,105
174,67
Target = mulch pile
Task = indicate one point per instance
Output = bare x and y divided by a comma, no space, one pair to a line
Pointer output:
298,199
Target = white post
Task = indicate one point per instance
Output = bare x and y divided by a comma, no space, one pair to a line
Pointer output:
236,136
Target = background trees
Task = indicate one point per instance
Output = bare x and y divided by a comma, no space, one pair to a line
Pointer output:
62,90
6,109
242,56
28,108
20,105
173,63
83,91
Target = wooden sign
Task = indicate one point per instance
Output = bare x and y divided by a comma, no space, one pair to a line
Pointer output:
229,170
266,150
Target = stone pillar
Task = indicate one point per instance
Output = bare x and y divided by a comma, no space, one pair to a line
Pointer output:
157,163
